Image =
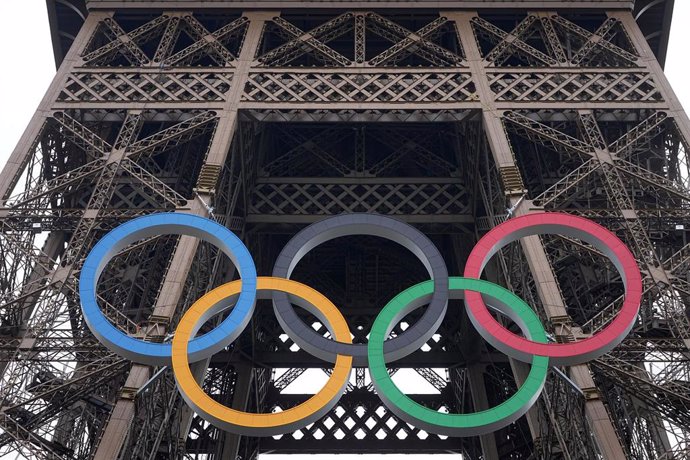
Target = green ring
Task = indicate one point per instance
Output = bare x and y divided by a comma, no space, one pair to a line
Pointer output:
472,424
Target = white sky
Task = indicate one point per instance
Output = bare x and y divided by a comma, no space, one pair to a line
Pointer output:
26,49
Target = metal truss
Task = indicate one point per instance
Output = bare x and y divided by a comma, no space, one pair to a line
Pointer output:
268,120
401,42
166,29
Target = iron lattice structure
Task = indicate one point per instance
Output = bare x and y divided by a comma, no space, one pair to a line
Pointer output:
277,114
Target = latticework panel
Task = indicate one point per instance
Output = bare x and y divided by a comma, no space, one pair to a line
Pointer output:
359,87
157,86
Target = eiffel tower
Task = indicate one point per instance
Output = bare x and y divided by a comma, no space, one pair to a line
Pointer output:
269,115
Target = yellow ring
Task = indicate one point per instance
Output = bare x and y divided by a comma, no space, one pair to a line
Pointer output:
246,423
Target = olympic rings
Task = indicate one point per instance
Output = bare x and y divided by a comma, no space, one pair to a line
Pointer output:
362,224
456,424
245,423
152,225
576,227
241,295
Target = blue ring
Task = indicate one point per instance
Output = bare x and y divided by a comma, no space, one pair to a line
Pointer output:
152,225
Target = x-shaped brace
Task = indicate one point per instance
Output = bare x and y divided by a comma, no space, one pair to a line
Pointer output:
205,40
512,40
126,43
314,40
408,42
593,40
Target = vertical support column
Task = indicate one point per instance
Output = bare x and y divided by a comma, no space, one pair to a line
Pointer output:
231,442
520,371
545,280
225,132
481,402
503,156
550,295
122,416
123,413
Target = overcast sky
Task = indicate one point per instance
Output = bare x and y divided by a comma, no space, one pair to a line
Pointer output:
25,49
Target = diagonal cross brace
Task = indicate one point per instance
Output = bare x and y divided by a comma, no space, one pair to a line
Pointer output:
293,157
313,40
515,42
593,40
129,41
408,42
546,135
501,51
160,140
651,125
205,40
82,136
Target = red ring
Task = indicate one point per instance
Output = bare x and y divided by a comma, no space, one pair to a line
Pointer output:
578,227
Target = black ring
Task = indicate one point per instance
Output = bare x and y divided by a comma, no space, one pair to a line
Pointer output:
362,224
